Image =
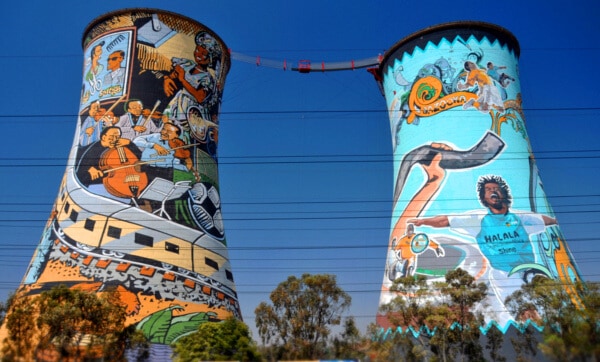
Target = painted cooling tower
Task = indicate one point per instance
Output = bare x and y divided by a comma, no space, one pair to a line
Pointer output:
139,207
467,191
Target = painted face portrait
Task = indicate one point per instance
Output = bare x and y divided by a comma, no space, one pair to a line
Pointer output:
140,208
458,122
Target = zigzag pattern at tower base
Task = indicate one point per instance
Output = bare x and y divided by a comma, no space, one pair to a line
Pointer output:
517,339
467,191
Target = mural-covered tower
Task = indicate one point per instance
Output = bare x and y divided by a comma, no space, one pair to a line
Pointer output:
467,193
139,207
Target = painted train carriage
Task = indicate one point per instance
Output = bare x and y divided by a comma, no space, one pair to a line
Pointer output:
103,231
139,207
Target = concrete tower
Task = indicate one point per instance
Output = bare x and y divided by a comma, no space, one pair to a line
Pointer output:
139,207
467,191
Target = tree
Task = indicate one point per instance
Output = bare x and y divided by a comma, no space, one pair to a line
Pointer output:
436,320
406,312
217,341
465,294
495,338
569,315
299,321
64,323
393,347
21,329
71,319
348,344
525,343
3,310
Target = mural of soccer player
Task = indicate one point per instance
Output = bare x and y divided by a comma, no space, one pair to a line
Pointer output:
433,160
502,235
488,95
496,72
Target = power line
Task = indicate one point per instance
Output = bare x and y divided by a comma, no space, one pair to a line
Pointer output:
290,162
321,247
312,111
332,155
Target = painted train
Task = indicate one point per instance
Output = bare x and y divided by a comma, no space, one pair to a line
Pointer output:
116,230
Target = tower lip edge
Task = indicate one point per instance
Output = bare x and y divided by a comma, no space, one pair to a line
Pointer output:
503,35
149,10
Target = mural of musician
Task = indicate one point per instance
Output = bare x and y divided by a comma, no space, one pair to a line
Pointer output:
103,163
139,207
460,143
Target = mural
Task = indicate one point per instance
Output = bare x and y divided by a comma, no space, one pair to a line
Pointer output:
467,191
139,207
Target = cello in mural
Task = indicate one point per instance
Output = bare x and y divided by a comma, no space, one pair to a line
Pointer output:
467,191
139,207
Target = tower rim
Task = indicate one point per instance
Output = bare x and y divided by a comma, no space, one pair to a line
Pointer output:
421,37
99,19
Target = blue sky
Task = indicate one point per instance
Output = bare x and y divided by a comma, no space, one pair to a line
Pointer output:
305,159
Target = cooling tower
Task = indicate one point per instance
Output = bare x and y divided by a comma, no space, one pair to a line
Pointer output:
139,207
467,193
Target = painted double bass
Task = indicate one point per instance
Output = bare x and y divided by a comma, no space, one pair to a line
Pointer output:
123,174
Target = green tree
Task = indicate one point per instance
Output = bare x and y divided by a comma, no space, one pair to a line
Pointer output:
4,309
442,316
464,294
21,329
348,345
69,324
299,321
71,318
393,346
217,341
406,312
569,314
525,343
495,338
